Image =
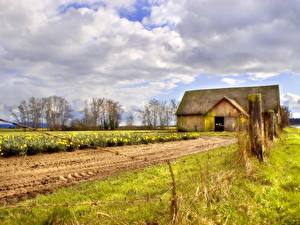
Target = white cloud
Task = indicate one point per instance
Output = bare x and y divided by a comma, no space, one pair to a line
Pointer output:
84,53
230,37
293,102
89,52
261,76
232,81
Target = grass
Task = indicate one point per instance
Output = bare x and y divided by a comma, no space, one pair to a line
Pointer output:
212,187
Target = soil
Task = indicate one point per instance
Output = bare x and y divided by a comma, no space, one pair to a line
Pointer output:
25,177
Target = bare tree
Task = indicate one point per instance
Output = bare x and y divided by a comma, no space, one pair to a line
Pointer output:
36,108
93,112
149,115
102,113
114,111
21,113
158,113
29,113
173,108
58,112
163,114
130,119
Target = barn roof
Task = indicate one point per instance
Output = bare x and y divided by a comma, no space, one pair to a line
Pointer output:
198,102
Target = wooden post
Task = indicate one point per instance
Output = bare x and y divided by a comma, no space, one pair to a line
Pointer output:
271,124
277,125
256,125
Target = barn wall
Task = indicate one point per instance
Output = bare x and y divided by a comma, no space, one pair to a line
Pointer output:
225,109
232,118
190,123
230,123
209,122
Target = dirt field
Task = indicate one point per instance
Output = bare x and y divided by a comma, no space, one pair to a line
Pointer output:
25,177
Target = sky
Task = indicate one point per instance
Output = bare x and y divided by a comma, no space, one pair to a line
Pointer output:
135,50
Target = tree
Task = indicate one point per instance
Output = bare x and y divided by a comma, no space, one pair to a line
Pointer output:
130,119
102,113
58,112
285,114
158,113
36,108
114,111
93,112
29,113
173,107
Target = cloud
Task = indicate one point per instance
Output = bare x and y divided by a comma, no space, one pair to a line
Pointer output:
84,52
88,49
292,101
232,81
229,37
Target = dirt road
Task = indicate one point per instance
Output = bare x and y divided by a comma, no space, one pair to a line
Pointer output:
25,177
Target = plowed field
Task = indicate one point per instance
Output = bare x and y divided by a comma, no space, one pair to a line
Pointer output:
25,177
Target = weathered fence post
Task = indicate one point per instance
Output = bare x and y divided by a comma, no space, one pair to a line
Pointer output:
256,125
277,125
270,120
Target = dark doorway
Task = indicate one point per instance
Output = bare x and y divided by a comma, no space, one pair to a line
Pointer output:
219,123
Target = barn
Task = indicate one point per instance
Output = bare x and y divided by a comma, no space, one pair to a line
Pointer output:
222,109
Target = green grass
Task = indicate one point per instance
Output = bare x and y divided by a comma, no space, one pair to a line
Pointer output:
213,188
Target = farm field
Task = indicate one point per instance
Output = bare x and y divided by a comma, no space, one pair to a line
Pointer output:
31,143
212,187
23,177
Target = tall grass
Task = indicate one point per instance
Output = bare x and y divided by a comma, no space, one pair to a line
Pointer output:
244,145
211,188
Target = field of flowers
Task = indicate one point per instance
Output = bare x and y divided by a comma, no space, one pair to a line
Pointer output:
30,143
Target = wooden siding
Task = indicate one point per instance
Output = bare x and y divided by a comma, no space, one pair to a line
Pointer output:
190,123
224,109
207,123
231,123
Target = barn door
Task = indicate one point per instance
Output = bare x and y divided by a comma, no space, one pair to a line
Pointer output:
219,123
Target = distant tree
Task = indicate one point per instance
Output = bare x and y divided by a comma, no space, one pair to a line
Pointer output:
29,112
285,114
130,119
36,108
158,113
114,112
173,107
93,112
58,112
77,124
102,113
21,113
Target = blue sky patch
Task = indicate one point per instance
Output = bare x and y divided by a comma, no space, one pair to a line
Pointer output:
141,9
79,5
288,83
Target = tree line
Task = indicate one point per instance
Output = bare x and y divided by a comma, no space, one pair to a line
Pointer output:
158,113
56,113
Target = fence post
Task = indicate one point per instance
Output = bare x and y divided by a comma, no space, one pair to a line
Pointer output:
277,125
256,125
271,124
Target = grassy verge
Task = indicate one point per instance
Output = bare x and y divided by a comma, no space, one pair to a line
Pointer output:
213,188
